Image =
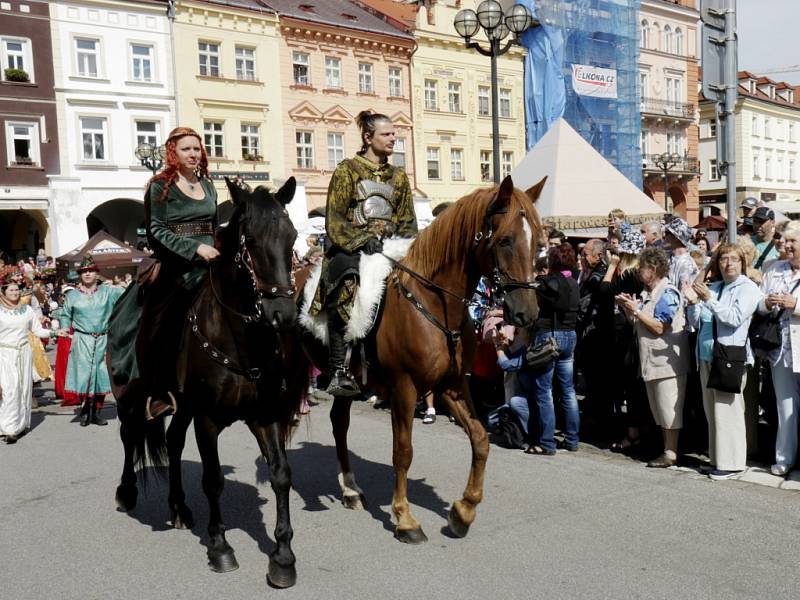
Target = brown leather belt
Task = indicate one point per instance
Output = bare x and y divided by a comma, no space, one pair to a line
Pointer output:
192,229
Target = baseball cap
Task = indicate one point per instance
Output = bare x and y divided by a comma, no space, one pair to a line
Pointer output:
763,214
749,202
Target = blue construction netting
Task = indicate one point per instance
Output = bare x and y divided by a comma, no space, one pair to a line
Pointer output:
599,34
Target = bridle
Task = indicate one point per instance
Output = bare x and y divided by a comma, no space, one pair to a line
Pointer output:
499,284
243,260
261,290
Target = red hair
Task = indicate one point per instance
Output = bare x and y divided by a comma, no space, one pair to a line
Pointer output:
169,173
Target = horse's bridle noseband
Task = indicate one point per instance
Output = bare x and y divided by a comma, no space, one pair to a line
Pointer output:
261,290
498,284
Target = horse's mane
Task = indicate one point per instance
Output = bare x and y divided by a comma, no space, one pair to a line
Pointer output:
229,233
448,241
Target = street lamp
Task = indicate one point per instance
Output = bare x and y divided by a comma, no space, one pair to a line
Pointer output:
497,25
151,156
665,162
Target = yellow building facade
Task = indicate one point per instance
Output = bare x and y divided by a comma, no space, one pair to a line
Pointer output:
227,74
451,103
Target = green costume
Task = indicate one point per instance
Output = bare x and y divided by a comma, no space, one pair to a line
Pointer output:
89,315
347,236
147,323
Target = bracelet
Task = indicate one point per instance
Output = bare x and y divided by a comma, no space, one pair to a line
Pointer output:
636,313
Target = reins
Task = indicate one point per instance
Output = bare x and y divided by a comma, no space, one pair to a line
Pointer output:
498,285
243,260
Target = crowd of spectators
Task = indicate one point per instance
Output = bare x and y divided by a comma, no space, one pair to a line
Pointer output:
646,320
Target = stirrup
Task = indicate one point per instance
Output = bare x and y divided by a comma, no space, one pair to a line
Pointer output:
154,409
343,385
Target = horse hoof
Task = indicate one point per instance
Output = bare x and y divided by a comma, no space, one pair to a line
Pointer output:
182,519
222,562
457,526
358,502
280,576
411,536
126,497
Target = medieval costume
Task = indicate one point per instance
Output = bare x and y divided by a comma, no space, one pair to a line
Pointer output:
87,312
16,368
367,202
149,321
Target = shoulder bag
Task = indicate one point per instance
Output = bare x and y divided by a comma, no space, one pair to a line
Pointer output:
765,330
540,355
727,363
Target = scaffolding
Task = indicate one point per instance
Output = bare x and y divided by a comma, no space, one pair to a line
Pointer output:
595,35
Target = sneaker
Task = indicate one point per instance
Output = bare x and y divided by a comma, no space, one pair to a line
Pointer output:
662,462
779,470
720,475
429,418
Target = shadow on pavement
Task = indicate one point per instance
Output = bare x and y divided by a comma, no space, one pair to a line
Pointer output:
240,504
314,476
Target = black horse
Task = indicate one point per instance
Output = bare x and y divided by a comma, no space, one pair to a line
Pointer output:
235,364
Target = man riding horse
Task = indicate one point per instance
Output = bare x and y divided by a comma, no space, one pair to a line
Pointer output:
368,200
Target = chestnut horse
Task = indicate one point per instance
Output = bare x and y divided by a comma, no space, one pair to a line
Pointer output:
424,339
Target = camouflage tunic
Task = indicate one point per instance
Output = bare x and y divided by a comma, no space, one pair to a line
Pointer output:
348,237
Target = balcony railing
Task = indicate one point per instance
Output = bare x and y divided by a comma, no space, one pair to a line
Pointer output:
659,107
686,164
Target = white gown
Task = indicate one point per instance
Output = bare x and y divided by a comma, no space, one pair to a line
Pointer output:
16,367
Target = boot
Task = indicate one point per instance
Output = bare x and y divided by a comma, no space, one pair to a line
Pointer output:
86,411
342,383
96,418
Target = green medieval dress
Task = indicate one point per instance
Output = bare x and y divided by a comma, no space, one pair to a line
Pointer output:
170,225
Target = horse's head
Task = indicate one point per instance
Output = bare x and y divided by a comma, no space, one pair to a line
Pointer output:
510,237
263,248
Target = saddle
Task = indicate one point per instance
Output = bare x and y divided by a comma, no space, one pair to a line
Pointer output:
373,270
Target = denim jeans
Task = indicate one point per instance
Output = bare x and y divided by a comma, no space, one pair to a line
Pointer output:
561,369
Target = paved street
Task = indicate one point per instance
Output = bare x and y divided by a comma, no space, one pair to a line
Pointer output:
584,525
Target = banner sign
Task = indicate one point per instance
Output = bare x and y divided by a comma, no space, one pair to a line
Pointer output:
594,81
576,223
246,175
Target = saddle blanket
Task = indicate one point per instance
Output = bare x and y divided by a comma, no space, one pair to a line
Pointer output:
373,271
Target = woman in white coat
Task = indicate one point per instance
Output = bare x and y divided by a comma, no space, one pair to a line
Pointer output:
781,287
16,365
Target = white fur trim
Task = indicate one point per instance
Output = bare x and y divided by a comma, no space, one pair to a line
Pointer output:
373,271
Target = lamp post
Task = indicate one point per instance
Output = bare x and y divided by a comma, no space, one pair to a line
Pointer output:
665,162
497,25
151,156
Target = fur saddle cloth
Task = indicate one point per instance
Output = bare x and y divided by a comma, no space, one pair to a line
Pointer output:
373,273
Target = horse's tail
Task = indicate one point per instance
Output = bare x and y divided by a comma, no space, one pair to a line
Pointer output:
147,438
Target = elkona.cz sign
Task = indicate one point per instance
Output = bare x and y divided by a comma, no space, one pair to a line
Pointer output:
594,81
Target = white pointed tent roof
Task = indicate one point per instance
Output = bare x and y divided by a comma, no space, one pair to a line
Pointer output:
582,187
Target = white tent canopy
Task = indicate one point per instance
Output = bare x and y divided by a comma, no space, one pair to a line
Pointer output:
582,187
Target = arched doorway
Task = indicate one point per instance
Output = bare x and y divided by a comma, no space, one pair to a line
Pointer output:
678,198
123,218
22,233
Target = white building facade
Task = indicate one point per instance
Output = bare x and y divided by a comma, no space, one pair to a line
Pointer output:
767,144
114,89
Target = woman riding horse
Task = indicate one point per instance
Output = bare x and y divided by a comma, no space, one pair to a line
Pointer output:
181,216
368,199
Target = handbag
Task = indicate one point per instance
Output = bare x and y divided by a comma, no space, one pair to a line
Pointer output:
542,354
727,363
765,330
